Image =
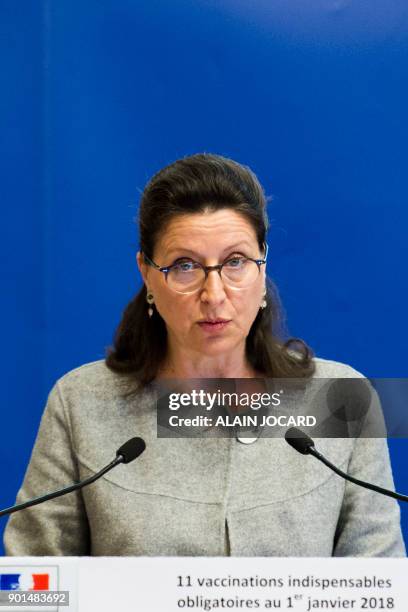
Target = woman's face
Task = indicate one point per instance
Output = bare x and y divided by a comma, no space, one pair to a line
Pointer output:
209,238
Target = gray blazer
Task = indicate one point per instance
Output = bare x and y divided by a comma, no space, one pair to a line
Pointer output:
210,496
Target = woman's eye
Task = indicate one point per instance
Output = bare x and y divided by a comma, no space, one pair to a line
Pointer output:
235,262
184,266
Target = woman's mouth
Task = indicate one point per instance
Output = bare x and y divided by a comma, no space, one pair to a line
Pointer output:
214,325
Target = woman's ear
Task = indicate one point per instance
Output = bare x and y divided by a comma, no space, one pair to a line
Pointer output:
143,267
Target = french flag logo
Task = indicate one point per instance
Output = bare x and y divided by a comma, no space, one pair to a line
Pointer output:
24,581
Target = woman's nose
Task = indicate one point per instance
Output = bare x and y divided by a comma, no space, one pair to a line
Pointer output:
213,289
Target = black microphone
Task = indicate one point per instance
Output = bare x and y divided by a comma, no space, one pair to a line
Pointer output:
299,440
305,445
130,450
125,454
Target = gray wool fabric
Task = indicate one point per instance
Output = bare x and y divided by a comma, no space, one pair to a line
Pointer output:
205,497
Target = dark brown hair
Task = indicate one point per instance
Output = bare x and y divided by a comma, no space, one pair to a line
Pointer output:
196,184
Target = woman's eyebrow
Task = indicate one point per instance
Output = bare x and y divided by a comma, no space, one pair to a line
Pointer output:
228,249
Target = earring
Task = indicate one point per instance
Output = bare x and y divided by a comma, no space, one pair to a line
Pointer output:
264,303
150,301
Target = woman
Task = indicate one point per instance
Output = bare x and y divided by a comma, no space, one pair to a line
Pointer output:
205,311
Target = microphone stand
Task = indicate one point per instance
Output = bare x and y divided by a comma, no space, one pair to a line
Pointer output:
78,485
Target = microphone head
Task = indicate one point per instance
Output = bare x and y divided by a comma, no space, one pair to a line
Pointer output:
131,449
299,440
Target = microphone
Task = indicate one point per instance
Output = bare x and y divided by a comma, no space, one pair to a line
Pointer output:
129,451
301,442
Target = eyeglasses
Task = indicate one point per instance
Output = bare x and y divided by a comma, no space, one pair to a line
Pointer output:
188,276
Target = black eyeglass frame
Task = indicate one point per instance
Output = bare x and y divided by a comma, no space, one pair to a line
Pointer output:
166,269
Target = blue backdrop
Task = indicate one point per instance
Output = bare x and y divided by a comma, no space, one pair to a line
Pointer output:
98,95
